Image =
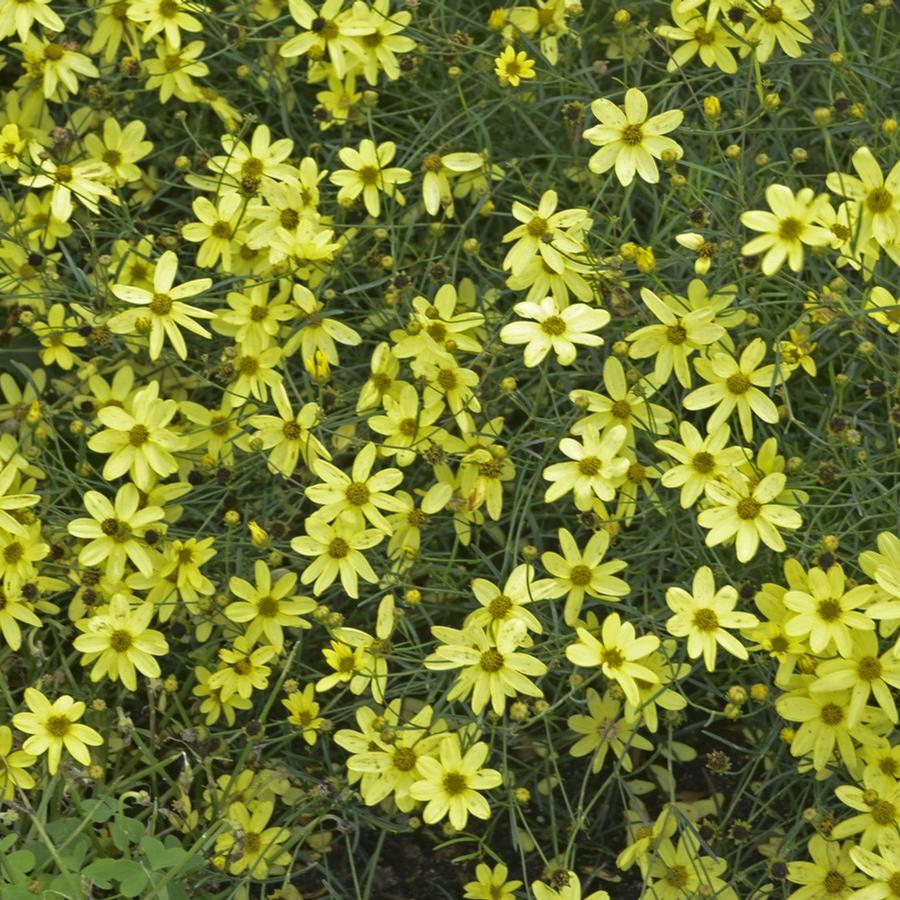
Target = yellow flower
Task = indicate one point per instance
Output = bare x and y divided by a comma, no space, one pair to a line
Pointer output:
629,140
114,532
164,307
511,67
884,308
119,641
746,512
245,669
368,174
216,229
567,886
259,848
831,872
337,547
451,785
554,329
318,333
324,32
596,469
603,730
139,442
57,335
13,764
682,870
120,148
404,427
578,573
734,385
492,667
883,870
54,727
703,617
167,18
436,189
509,603
213,705
616,654
786,228
174,69
252,319
266,609
491,884
304,713
709,40
83,181
827,613
18,17
378,38
778,22
11,146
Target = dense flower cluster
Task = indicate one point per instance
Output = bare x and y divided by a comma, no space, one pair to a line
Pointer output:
353,482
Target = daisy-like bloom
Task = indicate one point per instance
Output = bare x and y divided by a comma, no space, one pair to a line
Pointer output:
244,669
405,427
511,67
578,573
704,249
121,149
212,705
174,69
266,609
164,308
13,764
780,22
492,667
884,567
877,803
697,36
139,442
623,404
629,140
288,436
701,460
875,196
882,307
442,326
603,730
317,332
509,603
863,672
115,532
252,319
57,334
368,173
734,384
830,874
18,16
166,17
883,869
82,181
216,229
544,232
680,333
682,870
554,329
616,654
491,884
597,469
259,848
644,836
828,613
378,38
359,496
324,32
746,512
12,145
119,643
789,225
436,190
15,609
337,547
566,886
826,726
54,727
304,713
451,785
703,617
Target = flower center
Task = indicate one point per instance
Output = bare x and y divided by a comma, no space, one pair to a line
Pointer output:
252,843
832,714
248,365
432,163
554,326
613,657
338,548
404,759
789,229
13,552
138,436
500,606
267,607
447,379
537,227
289,219
704,37
706,619
883,812
829,610
580,575
161,304
738,384
291,431
242,666
221,230
58,726
357,493
834,883
773,14
368,174
120,641
621,409
703,462
455,783
632,135
677,876
112,158
491,660
589,466
869,668
53,52
676,334
879,200
748,508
